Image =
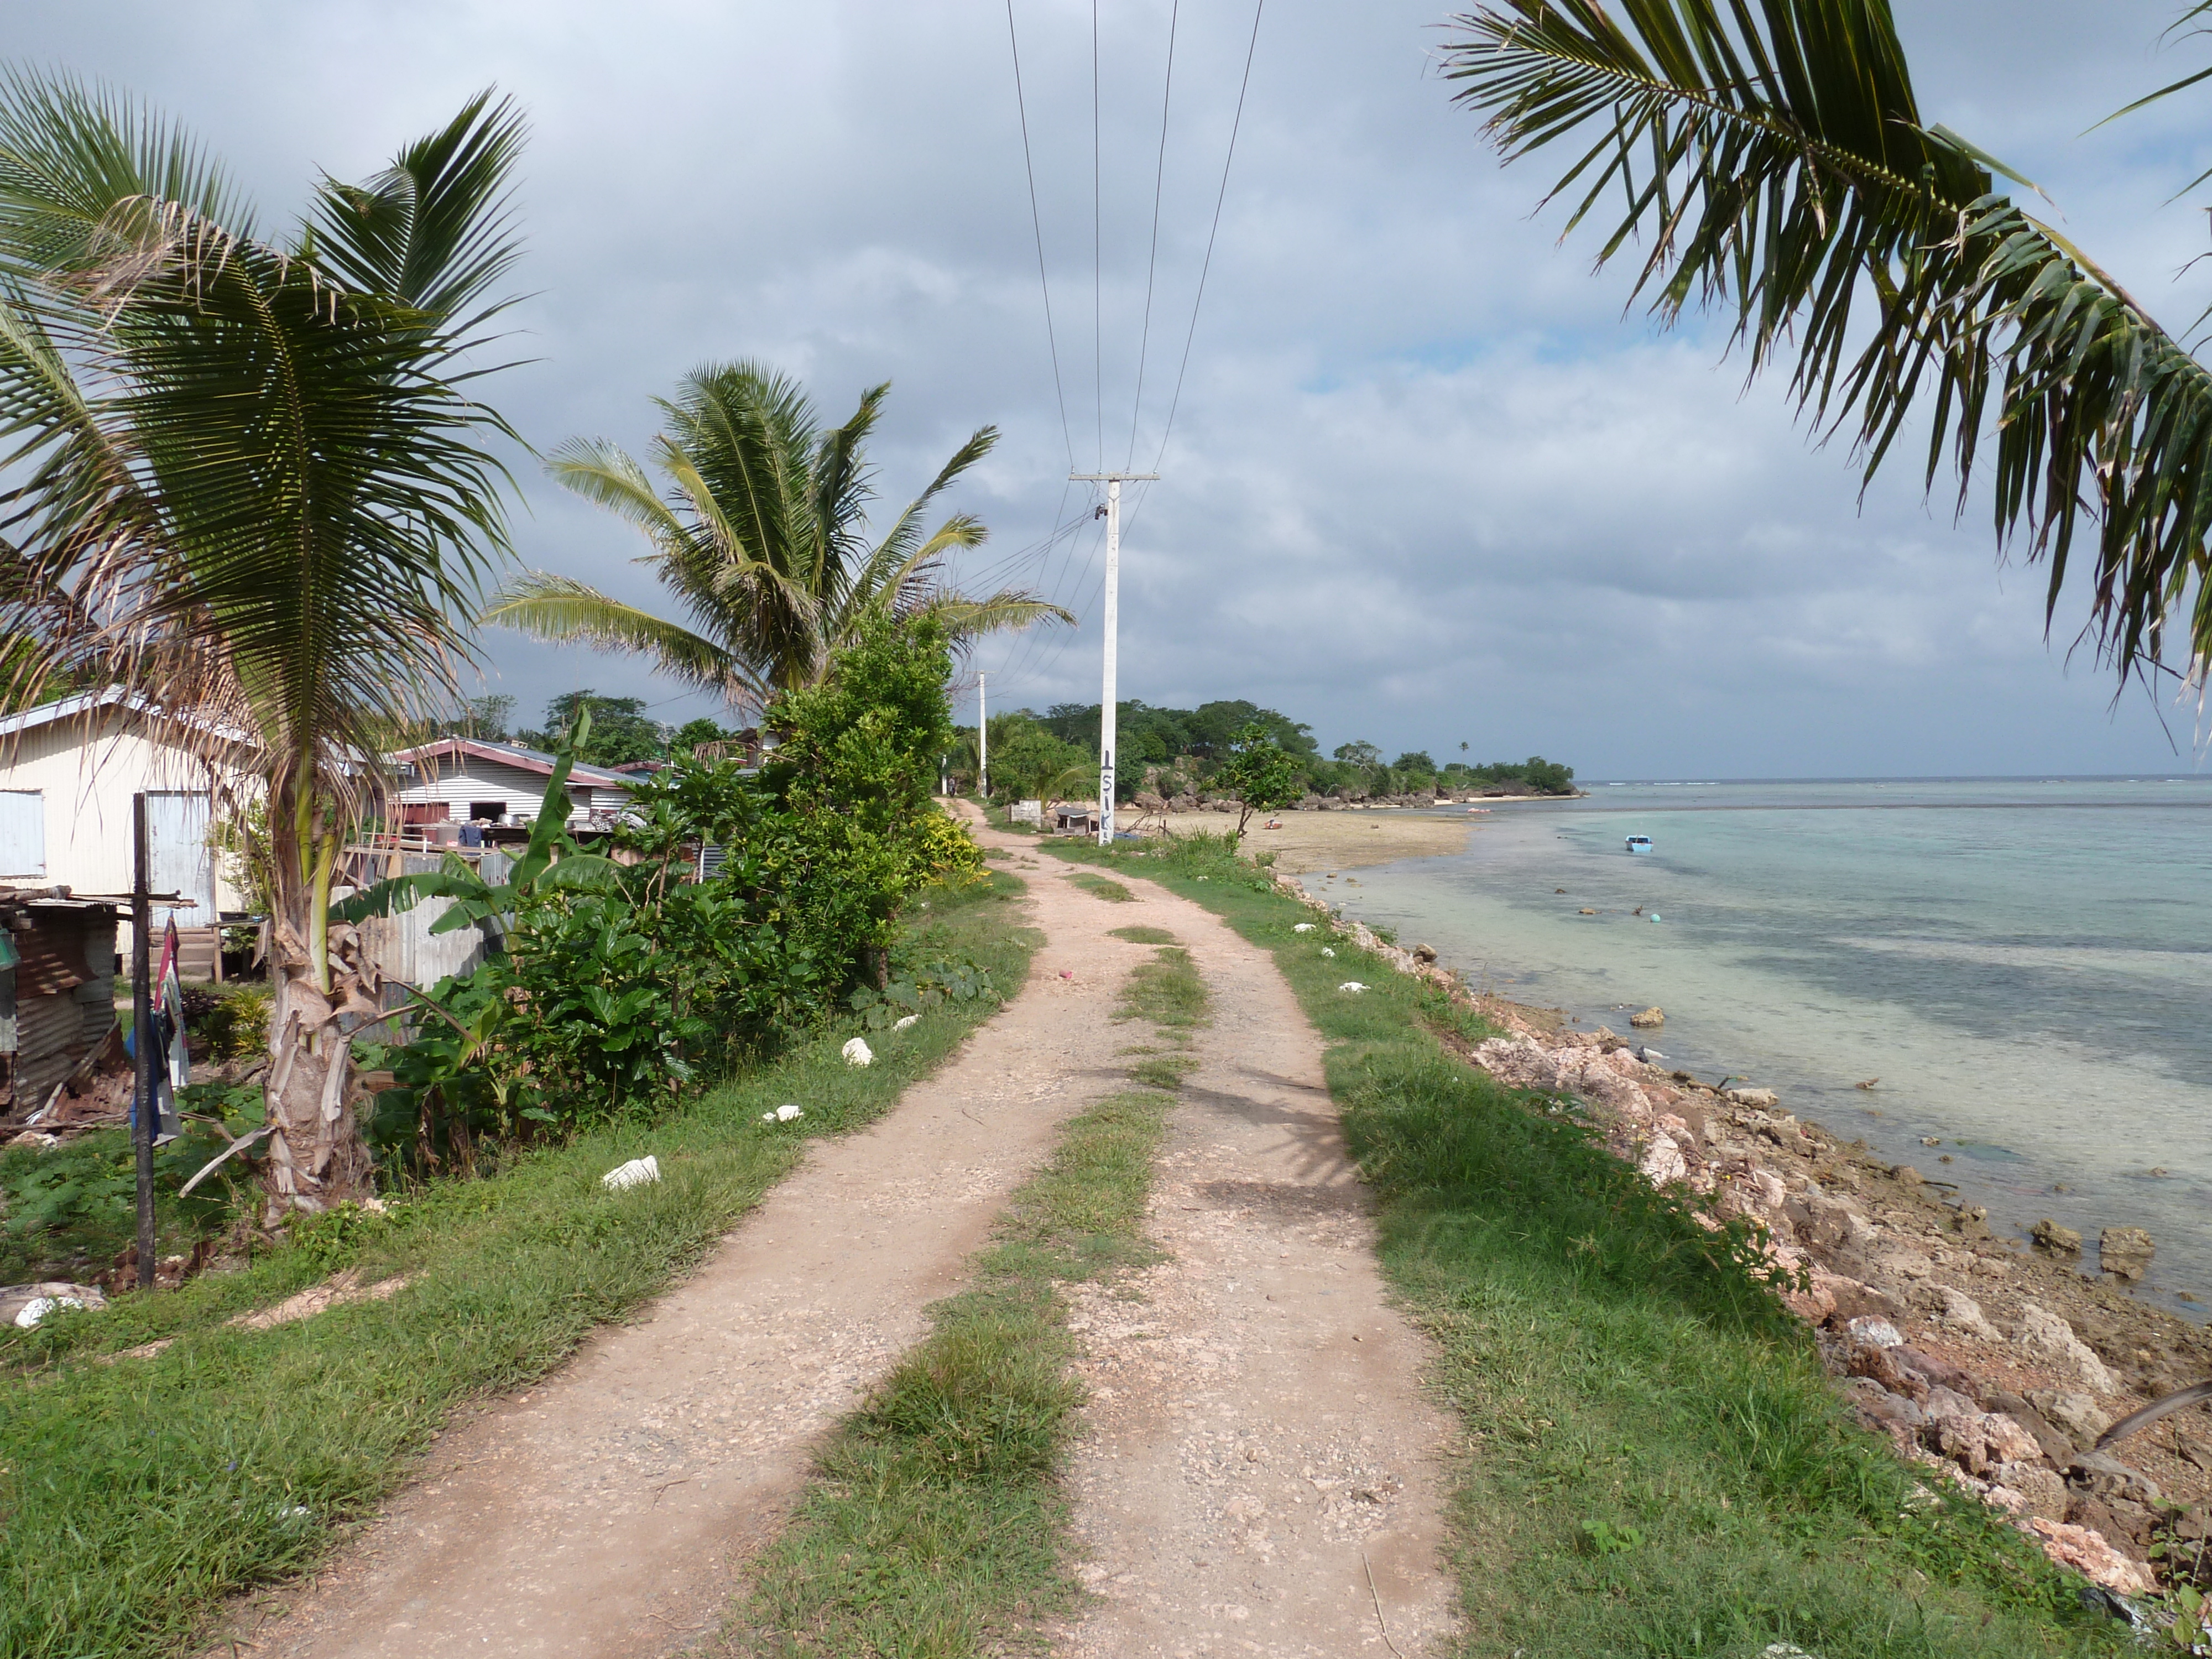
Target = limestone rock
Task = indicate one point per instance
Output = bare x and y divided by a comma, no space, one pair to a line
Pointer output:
2125,1252
1954,1310
2047,1338
1978,1441
2092,1556
1662,1161
1758,1097
2040,1485
1875,1333
2104,1476
1939,1373
1855,1300
2050,1236
1878,1408
1649,1018
2076,1414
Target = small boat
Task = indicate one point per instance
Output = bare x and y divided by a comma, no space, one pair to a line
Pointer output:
1639,843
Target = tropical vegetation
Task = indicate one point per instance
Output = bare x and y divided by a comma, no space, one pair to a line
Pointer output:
628,976
1177,752
760,532
249,480
159,1458
1769,159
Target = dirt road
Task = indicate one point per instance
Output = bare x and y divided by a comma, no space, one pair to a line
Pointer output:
1258,1444
604,1514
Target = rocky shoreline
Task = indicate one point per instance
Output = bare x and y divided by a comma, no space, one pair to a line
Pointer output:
1998,1364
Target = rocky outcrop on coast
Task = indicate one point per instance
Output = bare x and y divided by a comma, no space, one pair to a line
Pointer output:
1998,1363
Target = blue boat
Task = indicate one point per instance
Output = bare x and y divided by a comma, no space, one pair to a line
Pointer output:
1639,843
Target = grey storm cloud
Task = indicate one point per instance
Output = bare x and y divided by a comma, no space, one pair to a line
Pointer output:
1430,479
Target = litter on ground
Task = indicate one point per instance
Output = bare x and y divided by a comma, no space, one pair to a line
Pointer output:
638,1172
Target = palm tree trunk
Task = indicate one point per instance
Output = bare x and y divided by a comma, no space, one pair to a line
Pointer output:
317,1158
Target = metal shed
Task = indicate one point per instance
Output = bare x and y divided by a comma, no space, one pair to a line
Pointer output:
57,992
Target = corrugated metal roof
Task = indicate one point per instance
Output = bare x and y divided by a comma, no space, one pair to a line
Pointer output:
531,760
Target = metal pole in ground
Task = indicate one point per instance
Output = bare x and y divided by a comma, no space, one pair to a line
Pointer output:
1108,707
982,744
142,1025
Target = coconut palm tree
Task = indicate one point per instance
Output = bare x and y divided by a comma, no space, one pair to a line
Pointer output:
248,485
760,535
1768,158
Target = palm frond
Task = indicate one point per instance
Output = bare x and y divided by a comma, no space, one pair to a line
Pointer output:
897,545
547,606
436,229
1771,157
966,620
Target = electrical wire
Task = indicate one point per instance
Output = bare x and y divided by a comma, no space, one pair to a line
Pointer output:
1151,265
1037,223
1236,125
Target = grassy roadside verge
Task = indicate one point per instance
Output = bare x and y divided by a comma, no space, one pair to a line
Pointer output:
1659,1467
935,1526
134,1494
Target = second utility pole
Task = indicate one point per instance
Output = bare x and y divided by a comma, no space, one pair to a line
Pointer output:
1112,481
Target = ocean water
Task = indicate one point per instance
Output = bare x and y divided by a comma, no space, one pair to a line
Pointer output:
2025,965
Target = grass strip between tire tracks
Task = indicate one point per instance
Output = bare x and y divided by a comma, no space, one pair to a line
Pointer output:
936,1526
1656,1463
134,1494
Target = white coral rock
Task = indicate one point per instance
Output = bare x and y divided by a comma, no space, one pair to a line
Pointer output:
1351,985
857,1052
2047,1336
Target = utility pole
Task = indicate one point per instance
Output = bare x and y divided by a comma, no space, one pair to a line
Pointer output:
1107,734
982,744
148,1103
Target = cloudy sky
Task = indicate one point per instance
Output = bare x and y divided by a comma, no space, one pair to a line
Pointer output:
1427,482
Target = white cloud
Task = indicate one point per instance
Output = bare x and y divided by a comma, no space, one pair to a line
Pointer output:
1427,483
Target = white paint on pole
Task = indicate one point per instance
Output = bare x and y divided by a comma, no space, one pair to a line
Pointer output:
1109,695
1107,703
982,741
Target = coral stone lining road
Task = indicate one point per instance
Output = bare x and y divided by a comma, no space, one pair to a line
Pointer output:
1257,1446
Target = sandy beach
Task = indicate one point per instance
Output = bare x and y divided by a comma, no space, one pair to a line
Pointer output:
1347,839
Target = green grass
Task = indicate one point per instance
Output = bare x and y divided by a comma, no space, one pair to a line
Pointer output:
68,1212
1098,887
1658,1466
134,1495
935,1526
1142,935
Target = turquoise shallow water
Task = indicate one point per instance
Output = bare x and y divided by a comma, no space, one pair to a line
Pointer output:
2025,965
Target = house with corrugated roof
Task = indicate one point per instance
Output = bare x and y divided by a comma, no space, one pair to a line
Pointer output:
460,781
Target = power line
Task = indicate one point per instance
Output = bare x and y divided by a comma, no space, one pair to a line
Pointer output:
1151,265
1098,325
1037,223
1176,401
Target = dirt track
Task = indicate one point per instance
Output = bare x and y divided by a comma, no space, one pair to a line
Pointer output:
1256,1425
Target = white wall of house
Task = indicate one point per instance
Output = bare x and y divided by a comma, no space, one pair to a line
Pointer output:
66,816
463,781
